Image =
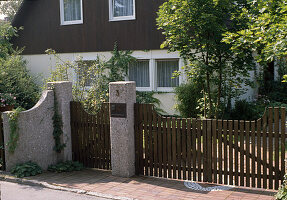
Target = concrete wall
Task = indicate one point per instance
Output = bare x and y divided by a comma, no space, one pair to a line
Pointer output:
36,140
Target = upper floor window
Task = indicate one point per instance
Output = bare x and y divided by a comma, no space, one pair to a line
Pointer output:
71,12
122,10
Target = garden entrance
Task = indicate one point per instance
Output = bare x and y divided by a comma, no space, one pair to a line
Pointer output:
91,136
241,153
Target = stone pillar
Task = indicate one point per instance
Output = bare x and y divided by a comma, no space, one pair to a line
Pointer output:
122,128
63,94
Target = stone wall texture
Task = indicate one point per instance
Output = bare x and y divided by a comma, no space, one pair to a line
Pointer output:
122,130
36,140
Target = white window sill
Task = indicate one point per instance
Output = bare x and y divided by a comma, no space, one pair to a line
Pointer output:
165,89
114,19
144,89
71,22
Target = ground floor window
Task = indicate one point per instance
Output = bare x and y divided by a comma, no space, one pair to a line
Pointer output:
154,74
140,73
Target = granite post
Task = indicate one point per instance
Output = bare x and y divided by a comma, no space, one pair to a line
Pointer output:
122,128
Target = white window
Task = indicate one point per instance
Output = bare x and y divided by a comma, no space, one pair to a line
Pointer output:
140,73
122,10
71,12
164,74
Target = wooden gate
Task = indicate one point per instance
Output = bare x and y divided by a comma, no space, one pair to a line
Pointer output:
242,153
91,136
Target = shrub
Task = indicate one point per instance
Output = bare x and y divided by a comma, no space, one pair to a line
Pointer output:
26,169
282,192
188,97
67,166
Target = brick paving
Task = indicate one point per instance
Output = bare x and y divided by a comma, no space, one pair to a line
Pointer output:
140,187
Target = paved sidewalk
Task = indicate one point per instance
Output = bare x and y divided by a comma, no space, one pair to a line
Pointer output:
103,183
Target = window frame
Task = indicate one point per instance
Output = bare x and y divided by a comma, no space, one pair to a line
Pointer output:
62,15
121,18
166,89
150,76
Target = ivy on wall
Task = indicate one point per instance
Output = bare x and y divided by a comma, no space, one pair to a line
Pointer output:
58,127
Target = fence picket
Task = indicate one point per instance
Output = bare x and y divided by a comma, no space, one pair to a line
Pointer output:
259,157
236,151
270,146
253,144
283,140
230,134
276,130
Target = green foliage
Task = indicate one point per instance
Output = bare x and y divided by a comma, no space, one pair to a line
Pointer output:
14,129
15,79
188,98
282,192
67,166
244,110
10,8
265,32
57,128
26,169
195,29
148,98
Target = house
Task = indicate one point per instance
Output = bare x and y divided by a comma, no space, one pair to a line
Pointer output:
90,28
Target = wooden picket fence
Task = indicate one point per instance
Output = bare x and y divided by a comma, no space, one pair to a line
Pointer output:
2,152
91,136
242,153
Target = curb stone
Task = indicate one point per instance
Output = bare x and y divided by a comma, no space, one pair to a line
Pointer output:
4,176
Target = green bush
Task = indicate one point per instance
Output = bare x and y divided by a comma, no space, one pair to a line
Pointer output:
282,192
15,79
67,166
188,97
26,169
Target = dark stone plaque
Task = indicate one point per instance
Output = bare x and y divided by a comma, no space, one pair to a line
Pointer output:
118,110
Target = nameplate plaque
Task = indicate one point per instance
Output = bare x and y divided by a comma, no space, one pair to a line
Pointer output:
118,110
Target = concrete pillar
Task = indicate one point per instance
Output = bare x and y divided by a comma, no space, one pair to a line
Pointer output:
63,94
122,100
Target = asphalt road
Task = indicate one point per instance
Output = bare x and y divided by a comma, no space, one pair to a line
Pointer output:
14,191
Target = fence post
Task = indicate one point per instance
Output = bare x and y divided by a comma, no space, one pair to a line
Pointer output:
122,100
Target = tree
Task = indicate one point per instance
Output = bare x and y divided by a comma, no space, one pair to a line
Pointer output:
195,29
9,8
265,32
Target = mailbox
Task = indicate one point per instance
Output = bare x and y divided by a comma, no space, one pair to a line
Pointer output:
118,110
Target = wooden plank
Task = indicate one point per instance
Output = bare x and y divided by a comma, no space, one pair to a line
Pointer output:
253,145
204,150
241,124
276,130
164,147
231,138
189,139
198,132
178,149
174,147
146,138
264,126
258,161
283,129
214,150
194,152
141,135
209,150
220,155
159,135
184,144
137,139
236,151
225,151
247,146
155,151
270,145
151,147
169,146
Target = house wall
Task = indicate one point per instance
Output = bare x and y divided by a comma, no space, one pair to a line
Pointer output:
42,64
42,29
